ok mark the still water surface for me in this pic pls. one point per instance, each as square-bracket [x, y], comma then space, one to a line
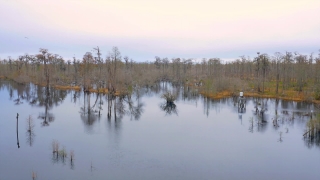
[197, 139]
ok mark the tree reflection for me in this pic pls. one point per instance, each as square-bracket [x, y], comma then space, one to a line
[169, 108]
[30, 137]
[75, 96]
[311, 142]
[312, 134]
[280, 137]
[30, 131]
[260, 106]
[34, 95]
[134, 110]
[18, 92]
[22, 92]
[98, 104]
[114, 127]
[119, 108]
[121, 105]
[47, 97]
[251, 125]
[87, 114]
[258, 124]
[262, 122]
[190, 94]
[109, 100]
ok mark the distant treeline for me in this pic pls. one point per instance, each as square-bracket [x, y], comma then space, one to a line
[287, 74]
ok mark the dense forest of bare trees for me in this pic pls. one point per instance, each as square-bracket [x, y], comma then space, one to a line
[288, 75]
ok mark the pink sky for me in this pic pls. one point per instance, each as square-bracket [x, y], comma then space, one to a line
[143, 29]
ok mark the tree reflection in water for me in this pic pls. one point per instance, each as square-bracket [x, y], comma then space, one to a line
[169, 108]
[22, 91]
[259, 122]
[30, 135]
[311, 142]
[134, 110]
[119, 106]
[87, 113]
[312, 132]
[47, 97]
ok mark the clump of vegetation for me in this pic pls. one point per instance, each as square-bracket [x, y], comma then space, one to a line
[313, 128]
[169, 97]
[55, 146]
[61, 155]
[34, 175]
[169, 106]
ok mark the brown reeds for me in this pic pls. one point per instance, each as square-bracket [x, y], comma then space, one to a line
[55, 146]
[34, 175]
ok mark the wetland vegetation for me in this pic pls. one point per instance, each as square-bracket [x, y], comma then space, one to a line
[111, 117]
[291, 76]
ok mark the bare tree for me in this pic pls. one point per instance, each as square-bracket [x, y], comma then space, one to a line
[115, 57]
[278, 57]
[88, 62]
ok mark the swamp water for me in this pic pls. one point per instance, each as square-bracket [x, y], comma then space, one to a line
[198, 138]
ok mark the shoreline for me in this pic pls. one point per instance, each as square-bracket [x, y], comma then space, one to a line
[298, 97]
[227, 94]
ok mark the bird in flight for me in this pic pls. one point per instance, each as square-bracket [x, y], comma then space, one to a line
[26, 37]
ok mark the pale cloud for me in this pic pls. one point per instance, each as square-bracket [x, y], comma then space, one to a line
[190, 27]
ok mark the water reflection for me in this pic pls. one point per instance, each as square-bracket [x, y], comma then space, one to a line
[312, 132]
[122, 143]
[190, 94]
[117, 107]
[22, 92]
[87, 113]
[60, 155]
[131, 105]
[17, 130]
[46, 97]
[313, 141]
[257, 125]
[280, 137]
[75, 96]
[125, 105]
[114, 129]
[42, 100]
[15, 91]
[135, 110]
[169, 108]
[30, 135]
[206, 104]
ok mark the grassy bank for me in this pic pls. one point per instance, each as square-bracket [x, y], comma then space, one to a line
[288, 95]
